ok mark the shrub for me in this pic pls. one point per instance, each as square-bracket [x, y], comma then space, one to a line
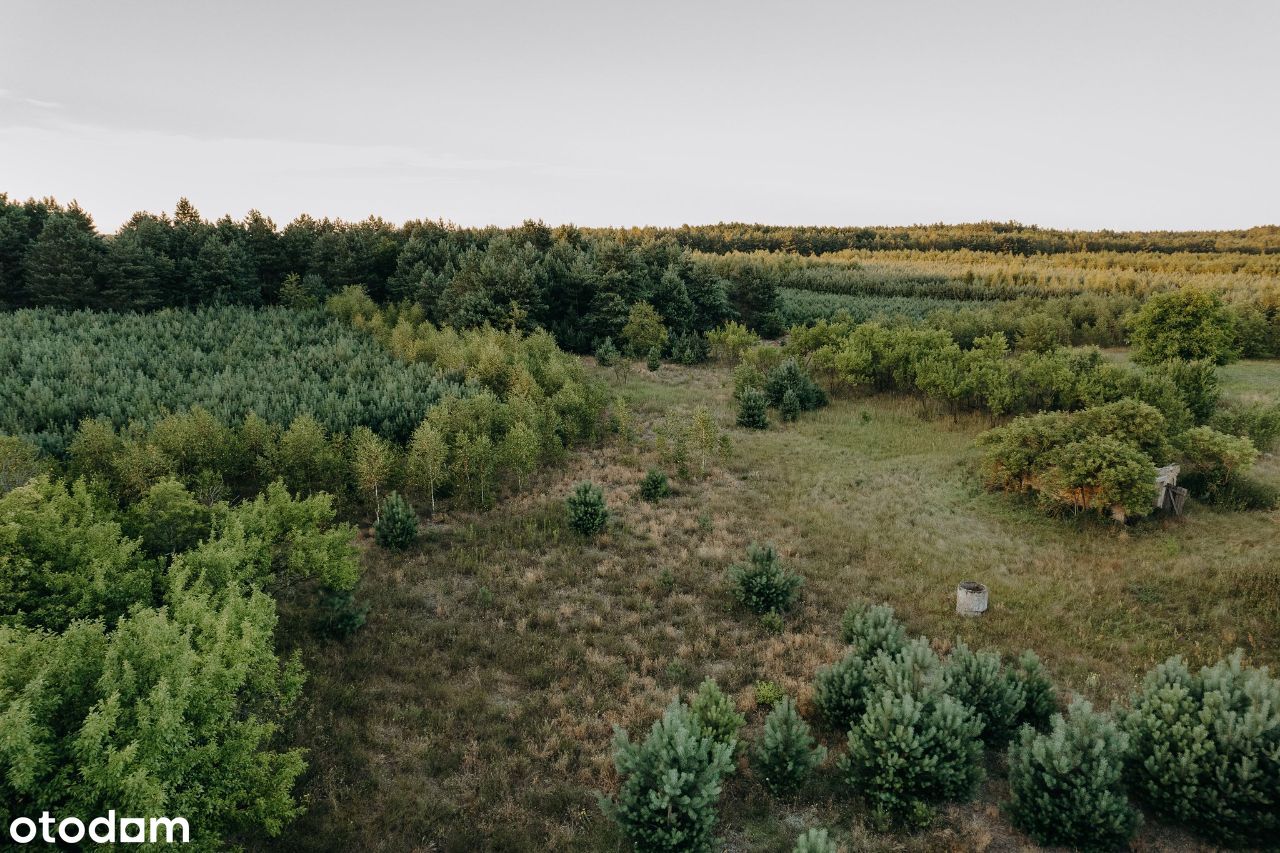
[910, 750]
[869, 628]
[396, 525]
[654, 486]
[607, 354]
[654, 361]
[340, 614]
[587, 511]
[790, 406]
[762, 584]
[1183, 324]
[730, 341]
[1205, 749]
[769, 693]
[1066, 788]
[19, 462]
[1040, 696]
[771, 622]
[670, 784]
[995, 696]
[815, 841]
[753, 409]
[789, 376]
[715, 715]
[785, 756]
[840, 691]
[644, 331]
[1196, 381]
[1213, 459]
[689, 348]
[1260, 423]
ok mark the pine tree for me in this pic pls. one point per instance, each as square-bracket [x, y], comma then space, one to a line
[1066, 787]
[753, 409]
[397, 524]
[785, 756]
[670, 784]
[61, 266]
[587, 511]
[714, 713]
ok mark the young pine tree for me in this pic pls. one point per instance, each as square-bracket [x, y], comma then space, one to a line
[785, 756]
[588, 513]
[1066, 788]
[714, 713]
[670, 784]
[753, 409]
[397, 524]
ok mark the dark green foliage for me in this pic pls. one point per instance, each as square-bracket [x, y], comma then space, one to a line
[785, 756]
[995, 695]
[1183, 324]
[1259, 422]
[871, 628]
[689, 348]
[397, 524]
[1196, 381]
[789, 376]
[654, 487]
[587, 511]
[607, 354]
[61, 266]
[789, 409]
[654, 361]
[840, 691]
[168, 519]
[670, 784]
[64, 368]
[1040, 696]
[1065, 786]
[1205, 749]
[714, 714]
[340, 614]
[762, 584]
[753, 411]
[913, 747]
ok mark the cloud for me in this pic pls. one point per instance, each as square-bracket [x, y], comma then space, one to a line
[7, 95]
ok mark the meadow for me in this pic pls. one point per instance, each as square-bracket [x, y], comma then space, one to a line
[476, 710]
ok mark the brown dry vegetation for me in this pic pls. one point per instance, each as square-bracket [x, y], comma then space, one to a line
[475, 709]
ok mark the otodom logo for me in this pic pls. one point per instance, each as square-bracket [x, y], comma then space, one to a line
[48, 829]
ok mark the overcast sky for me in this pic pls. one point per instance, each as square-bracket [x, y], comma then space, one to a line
[1157, 114]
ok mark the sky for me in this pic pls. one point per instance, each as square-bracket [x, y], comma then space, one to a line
[1125, 115]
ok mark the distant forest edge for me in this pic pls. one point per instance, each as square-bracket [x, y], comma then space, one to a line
[581, 283]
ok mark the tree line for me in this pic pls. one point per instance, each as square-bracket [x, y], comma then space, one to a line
[578, 284]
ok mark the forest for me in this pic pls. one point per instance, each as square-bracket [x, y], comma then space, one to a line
[352, 535]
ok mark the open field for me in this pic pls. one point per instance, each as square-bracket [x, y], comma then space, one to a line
[475, 709]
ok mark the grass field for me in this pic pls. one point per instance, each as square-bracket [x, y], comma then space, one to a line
[475, 709]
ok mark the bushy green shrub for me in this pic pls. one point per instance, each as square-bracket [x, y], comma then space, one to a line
[870, 628]
[840, 691]
[785, 756]
[1205, 749]
[340, 614]
[397, 524]
[1196, 381]
[19, 462]
[588, 514]
[790, 376]
[715, 714]
[815, 841]
[730, 341]
[1040, 696]
[670, 784]
[1212, 460]
[654, 487]
[1066, 786]
[995, 696]
[753, 409]
[654, 360]
[769, 693]
[689, 348]
[1182, 324]
[762, 583]
[911, 750]
[607, 355]
[1257, 421]
[789, 409]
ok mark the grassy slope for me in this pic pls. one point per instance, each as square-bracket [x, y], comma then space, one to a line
[475, 709]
